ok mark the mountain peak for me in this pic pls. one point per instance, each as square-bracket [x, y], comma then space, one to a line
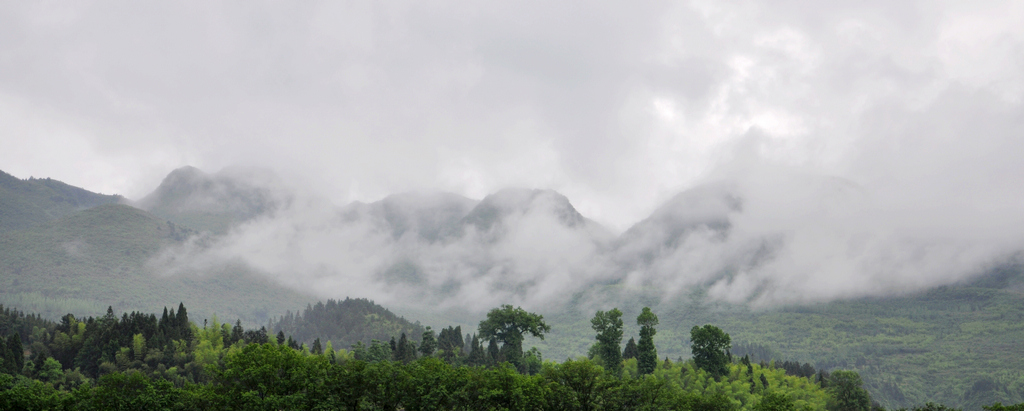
[193, 198]
[511, 201]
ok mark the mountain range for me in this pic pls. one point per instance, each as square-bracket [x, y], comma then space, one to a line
[239, 244]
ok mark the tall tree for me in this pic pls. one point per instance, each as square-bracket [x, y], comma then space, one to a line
[848, 393]
[710, 347]
[17, 353]
[647, 354]
[404, 351]
[609, 338]
[476, 353]
[630, 351]
[508, 325]
[429, 343]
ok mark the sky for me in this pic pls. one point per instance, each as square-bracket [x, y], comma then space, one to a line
[617, 105]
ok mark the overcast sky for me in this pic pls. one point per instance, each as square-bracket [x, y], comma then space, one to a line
[617, 105]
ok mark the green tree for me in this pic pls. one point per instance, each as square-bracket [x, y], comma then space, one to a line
[609, 337]
[404, 352]
[710, 347]
[508, 325]
[647, 354]
[17, 354]
[775, 401]
[848, 393]
[630, 351]
[429, 343]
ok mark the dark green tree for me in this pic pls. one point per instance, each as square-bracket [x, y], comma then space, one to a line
[494, 355]
[317, 348]
[710, 346]
[429, 343]
[609, 338]
[647, 354]
[477, 355]
[508, 325]
[630, 350]
[17, 354]
[404, 351]
[848, 393]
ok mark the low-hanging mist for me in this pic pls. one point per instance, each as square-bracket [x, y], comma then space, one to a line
[756, 233]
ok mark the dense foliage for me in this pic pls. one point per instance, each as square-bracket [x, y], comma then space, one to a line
[145, 361]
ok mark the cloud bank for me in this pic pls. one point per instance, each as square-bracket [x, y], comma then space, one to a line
[618, 106]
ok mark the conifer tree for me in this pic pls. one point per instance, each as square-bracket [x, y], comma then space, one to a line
[317, 349]
[405, 351]
[630, 351]
[5, 357]
[280, 337]
[429, 343]
[647, 353]
[476, 353]
[493, 352]
[17, 353]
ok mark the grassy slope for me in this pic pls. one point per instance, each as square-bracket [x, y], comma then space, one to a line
[97, 257]
[958, 345]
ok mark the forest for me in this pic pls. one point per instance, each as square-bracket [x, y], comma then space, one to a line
[167, 361]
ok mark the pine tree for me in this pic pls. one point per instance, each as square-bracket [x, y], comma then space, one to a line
[317, 349]
[476, 353]
[237, 333]
[630, 351]
[404, 351]
[5, 357]
[280, 337]
[429, 344]
[647, 353]
[494, 353]
[17, 353]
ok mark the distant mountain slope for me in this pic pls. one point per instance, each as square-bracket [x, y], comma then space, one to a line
[497, 208]
[98, 257]
[31, 202]
[344, 323]
[703, 208]
[212, 202]
[425, 215]
[957, 345]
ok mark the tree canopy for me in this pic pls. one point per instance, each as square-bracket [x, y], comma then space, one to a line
[710, 347]
[508, 325]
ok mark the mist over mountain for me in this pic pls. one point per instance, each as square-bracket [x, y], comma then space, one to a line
[214, 202]
[761, 235]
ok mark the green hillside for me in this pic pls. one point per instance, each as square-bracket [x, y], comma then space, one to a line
[98, 257]
[956, 345]
[31, 202]
[344, 322]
